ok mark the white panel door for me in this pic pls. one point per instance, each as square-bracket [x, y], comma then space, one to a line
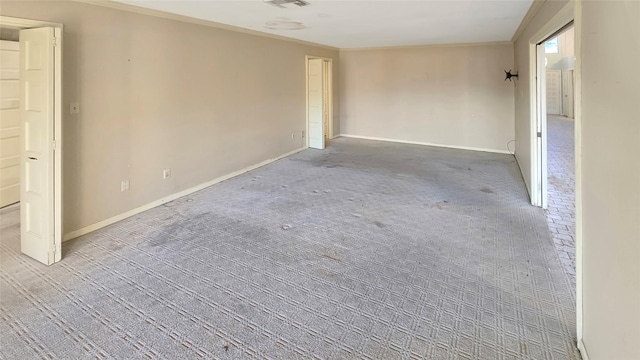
[325, 99]
[554, 91]
[315, 103]
[567, 93]
[37, 155]
[9, 122]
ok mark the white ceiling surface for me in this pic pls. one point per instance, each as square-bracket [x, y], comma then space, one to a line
[362, 23]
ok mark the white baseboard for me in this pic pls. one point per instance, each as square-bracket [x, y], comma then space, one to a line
[112, 220]
[425, 143]
[583, 350]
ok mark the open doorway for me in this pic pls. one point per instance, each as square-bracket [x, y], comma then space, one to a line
[560, 209]
[319, 101]
[31, 137]
[546, 137]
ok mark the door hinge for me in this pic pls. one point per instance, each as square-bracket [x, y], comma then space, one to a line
[54, 144]
[539, 134]
[55, 41]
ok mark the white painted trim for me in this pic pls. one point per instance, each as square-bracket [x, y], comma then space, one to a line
[577, 115]
[306, 101]
[58, 210]
[583, 350]
[533, 10]
[425, 144]
[331, 99]
[557, 22]
[306, 92]
[534, 172]
[19, 23]
[8, 45]
[408, 47]
[151, 205]
[541, 126]
[187, 19]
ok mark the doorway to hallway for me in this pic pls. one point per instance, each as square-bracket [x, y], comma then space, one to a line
[561, 193]
[554, 170]
[319, 101]
[559, 64]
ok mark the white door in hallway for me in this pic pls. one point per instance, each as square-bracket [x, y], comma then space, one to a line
[325, 98]
[9, 122]
[554, 91]
[315, 103]
[567, 93]
[37, 75]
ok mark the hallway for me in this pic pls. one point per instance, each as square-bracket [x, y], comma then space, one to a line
[561, 191]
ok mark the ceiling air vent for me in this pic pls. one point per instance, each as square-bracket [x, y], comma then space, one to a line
[280, 3]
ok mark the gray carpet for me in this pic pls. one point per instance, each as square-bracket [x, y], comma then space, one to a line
[561, 212]
[366, 250]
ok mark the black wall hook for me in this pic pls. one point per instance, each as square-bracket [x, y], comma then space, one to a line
[509, 75]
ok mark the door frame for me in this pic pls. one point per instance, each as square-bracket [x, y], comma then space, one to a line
[329, 76]
[570, 12]
[539, 122]
[56, 186]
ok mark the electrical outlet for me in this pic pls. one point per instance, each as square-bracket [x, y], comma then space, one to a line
[292, 136]
[74, 108]
[124, 186]
[303, 134]
[166, 173]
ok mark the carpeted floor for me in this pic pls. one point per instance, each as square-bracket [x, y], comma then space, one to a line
[561, 210]
[367, 250]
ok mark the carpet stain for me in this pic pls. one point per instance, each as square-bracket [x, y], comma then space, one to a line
[379, 224]
[487, 190]
[331, 258]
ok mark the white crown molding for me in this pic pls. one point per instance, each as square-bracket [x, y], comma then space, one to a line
[533, 10]
[409, 47]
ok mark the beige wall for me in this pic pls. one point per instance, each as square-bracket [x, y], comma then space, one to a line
[610, 175]
[611, 178]
[522, 93]
[448, 95]
[157, 93]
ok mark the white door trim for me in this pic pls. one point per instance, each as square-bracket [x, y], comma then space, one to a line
[19, 24]
[330, 81]
[539, 129]
[571, 11]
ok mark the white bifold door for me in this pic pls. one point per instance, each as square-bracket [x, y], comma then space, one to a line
[40, 228]
[315, 103]
[9, 122]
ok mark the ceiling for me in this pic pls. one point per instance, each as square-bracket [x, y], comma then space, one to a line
[362, 23]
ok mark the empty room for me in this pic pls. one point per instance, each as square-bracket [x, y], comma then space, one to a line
[318, 179]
